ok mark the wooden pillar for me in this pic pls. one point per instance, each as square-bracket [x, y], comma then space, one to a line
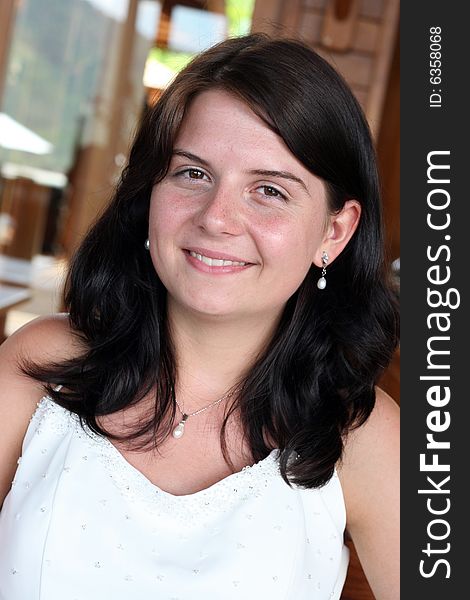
[266, 16]
[93, 175]
[7, 22]
[388, 151]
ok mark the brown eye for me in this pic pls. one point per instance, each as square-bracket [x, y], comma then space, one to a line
[268, 190]
[195, 174]
[191, 174]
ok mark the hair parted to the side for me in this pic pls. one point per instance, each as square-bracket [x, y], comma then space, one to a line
[315, 380]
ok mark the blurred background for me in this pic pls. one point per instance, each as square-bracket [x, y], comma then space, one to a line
[75, 78]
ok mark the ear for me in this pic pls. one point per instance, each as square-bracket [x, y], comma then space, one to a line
[339, 230]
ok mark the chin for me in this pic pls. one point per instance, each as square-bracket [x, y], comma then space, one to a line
[204, 307]
[212, 311]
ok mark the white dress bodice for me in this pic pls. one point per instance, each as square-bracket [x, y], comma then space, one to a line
[81, 523]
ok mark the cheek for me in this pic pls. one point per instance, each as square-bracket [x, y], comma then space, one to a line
[169, 209]
[289, 241]
[163, 217]
[155, 209]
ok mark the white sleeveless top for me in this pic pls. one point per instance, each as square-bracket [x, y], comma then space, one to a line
[81, 523]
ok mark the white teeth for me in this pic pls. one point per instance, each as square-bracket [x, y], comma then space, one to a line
[216, 262]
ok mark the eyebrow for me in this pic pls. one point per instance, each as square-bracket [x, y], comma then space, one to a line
[264, 172]
[191, 157]
[282, 174]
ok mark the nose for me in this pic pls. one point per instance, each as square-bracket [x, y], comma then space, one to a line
[220, 211]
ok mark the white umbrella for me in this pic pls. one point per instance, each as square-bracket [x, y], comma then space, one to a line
[15, 136]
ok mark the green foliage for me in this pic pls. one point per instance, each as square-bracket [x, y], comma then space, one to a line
[239, 15]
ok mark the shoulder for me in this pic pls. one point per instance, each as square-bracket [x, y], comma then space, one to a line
[370, 452]
[369, 475]
[43, 340]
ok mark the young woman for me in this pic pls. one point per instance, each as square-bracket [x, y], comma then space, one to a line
[211, 425]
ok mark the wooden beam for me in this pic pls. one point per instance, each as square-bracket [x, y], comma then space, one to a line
[7, 21]
[382, 65]
[266, 16]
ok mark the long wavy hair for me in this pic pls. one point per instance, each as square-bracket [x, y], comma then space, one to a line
[315, 379]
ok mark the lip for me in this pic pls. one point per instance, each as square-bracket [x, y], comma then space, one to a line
[215, 270]
[216, 254]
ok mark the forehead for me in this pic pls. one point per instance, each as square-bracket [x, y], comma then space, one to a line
[221, 126]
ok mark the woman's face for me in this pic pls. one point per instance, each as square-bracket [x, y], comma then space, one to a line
[237, 222]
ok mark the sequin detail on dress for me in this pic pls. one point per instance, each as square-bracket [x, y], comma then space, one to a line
[219, 497]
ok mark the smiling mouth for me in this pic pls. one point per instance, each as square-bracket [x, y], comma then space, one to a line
[216, 262]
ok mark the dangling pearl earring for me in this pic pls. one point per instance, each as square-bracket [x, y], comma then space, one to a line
[147, 244]
[321, 283]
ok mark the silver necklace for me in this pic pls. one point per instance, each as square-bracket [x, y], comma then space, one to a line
[178, 431]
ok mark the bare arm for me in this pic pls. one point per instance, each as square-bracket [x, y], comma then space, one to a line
[370, 478]
[44, 339]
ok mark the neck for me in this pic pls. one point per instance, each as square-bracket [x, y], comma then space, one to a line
[213, 354]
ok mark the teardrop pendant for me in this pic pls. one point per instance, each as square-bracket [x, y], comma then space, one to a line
[178, 430]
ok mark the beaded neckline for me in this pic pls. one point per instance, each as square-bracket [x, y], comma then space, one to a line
[220, 496]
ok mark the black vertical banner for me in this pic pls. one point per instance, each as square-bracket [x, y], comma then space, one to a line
[435, 254]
